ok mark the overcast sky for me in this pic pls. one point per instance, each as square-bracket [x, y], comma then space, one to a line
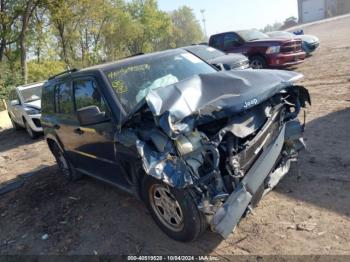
[225, 15]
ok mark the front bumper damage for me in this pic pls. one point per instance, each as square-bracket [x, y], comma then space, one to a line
[228, 215]
[248, 154]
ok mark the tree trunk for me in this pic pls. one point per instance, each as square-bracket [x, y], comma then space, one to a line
[60, 28]
[21, 40]
[27, 12]
[2, 49]
[22, 47]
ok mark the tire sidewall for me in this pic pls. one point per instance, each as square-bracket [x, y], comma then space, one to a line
[73, 174]
[193, 220]
[260, 59]
[30, 131]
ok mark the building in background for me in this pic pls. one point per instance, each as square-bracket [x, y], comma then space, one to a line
[313, 10]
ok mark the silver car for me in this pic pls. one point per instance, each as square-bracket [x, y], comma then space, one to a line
[24, 108]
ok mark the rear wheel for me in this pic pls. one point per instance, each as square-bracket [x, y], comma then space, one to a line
[63, 164]
[174, 211]
[257, 62]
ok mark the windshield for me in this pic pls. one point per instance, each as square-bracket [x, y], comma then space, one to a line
[250, 35]
[133, 81]
[205, 52]
[31, 94]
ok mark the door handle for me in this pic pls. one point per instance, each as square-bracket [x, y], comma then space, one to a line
[56, 126]
[78, 131]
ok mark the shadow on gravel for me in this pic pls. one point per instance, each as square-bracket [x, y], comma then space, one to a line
[10, 138]
[322, 176]
[83, 216]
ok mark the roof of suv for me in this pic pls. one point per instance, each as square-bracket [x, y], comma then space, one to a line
[111, 65]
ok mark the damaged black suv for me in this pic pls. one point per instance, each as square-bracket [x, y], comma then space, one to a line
[200, 147]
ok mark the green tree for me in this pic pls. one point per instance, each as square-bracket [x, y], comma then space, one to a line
[152, 26]
[186, 28]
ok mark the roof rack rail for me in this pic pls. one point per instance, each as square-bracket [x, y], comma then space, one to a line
[137, 54]
[64, 72]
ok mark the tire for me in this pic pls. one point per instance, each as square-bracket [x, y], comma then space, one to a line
[14, 124]
[188, 224]
[64, 165]
[257, 62]
[31, 133]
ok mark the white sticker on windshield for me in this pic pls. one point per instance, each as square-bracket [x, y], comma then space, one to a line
[210, 49]
[191, 58]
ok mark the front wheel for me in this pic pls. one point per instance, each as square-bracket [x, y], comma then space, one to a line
[174, 210]
[257, 62]
[30, 131]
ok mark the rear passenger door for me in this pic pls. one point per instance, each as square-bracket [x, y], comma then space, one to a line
[65, 120]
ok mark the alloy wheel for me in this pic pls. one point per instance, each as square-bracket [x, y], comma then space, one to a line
[29, 130]
[166, 207]
[256, 64]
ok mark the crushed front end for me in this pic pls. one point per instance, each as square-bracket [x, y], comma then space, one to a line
[227, 137]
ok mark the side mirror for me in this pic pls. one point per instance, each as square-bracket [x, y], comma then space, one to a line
[14, 102]
[91, 115]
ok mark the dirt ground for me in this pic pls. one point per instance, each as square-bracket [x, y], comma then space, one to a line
[308, 212]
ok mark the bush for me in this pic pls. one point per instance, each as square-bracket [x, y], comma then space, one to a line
[43, 70]
[10, 77]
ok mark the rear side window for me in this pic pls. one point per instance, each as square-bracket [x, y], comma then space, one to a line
[63, 98]
[217, 41]
[86, 94]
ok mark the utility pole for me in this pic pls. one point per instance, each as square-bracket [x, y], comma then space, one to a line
[204, 27]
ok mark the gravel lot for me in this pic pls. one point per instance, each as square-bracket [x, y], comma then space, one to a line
[308, 213]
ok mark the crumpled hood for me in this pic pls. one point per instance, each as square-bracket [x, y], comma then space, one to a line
[234, 91]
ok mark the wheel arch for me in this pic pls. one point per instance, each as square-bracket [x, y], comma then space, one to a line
[51, 140]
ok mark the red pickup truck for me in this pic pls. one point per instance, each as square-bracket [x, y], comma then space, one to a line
[262, 51]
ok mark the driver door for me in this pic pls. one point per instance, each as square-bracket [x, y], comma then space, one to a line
[93, 145]
[232, 43]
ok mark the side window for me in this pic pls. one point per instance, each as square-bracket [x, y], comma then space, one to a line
[230, 40]
[86, 94]
[216, 41]
[63, 98]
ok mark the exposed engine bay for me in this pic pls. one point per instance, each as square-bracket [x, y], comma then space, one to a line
[229, 137]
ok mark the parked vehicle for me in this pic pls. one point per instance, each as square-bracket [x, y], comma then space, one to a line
[262, 51]
[24, 108]
[218, 58]
[309, 42]
[200, 146]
